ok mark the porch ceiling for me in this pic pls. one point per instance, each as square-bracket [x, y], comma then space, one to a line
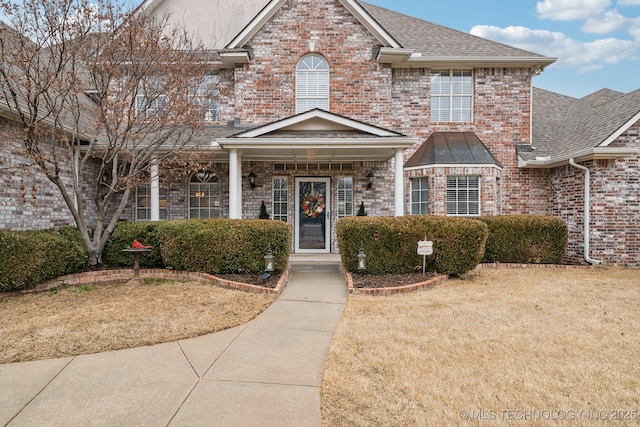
[316, 150]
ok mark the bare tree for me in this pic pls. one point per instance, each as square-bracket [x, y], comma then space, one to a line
[102, 92]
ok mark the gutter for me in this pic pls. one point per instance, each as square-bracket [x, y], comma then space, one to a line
[587, 209]
[582, 155]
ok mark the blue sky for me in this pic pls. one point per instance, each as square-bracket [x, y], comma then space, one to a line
[597, 42]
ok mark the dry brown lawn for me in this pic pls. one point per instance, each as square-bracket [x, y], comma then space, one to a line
[498, 347]
[90, 319]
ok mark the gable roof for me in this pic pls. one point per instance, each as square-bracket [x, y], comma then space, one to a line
[319, 136]
[565, 127]
[318, 120]
[353, 6]
[452, 148]
[404, 40]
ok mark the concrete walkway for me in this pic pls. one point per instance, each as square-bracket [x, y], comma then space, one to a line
[267, 372]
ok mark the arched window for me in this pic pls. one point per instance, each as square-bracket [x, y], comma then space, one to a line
[312, 84]
[204, 195]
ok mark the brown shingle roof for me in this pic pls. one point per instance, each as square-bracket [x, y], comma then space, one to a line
[432, 40]
[563, 125]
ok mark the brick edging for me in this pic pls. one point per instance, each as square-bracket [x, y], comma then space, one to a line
[92, 277]
[440, 279]
[391, 289]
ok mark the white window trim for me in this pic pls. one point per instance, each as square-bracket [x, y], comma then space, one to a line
[411, 191]
[317, 98]
[479, 201]
[205, 94]
[450, 95]
[163, 198]
[280, 217]
[153, 106]
[343, 203]
[217, 197]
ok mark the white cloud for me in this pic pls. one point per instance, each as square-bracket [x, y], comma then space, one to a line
[628, 2]
[634, 29]
[571, 53]
[571, 10]
[608, 22]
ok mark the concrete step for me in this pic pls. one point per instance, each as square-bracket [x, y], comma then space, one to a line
[315, 262]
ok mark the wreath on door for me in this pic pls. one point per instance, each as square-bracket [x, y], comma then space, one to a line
[313, 205]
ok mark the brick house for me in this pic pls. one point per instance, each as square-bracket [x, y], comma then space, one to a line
[355, 104]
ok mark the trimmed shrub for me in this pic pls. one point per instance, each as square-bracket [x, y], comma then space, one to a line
[526, 239]
[123, 236]
[31, 257]
[219, 246]
[391, 243]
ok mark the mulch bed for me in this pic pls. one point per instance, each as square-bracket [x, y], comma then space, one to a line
[389, 280]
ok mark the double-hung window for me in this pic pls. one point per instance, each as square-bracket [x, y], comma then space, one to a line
[205, 97]
[420, 196]
[451, 96]
[312, 84]
[143, 203]
[345, 197]
[463, 195]
[150, 108]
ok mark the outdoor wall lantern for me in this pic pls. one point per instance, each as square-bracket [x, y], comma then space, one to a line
[252, 179]
[362, 259]
[268, 260]
[369, 180]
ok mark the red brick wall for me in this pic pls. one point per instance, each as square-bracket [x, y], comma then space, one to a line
[615, 206]
[397, 99]
[359, 87]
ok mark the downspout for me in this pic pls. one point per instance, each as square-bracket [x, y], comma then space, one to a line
[587, 211]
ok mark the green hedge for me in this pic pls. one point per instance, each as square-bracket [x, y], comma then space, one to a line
[391, 243]
[31, 257]
[223, 245]
[528, 239]
[123, 236]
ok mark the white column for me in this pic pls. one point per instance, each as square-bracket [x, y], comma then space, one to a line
[233, 184]
[399, 184]
[239, 185]
[155, 191]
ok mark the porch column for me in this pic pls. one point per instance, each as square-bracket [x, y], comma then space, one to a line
[239, 181]
[399, 184]
[155, 191]
[233, 184]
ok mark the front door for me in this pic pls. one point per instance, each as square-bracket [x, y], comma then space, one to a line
[312, 232]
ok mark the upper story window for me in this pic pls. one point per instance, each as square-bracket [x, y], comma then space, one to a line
[147, 108]
[312, 84]
[205, 97]
[451, 96]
